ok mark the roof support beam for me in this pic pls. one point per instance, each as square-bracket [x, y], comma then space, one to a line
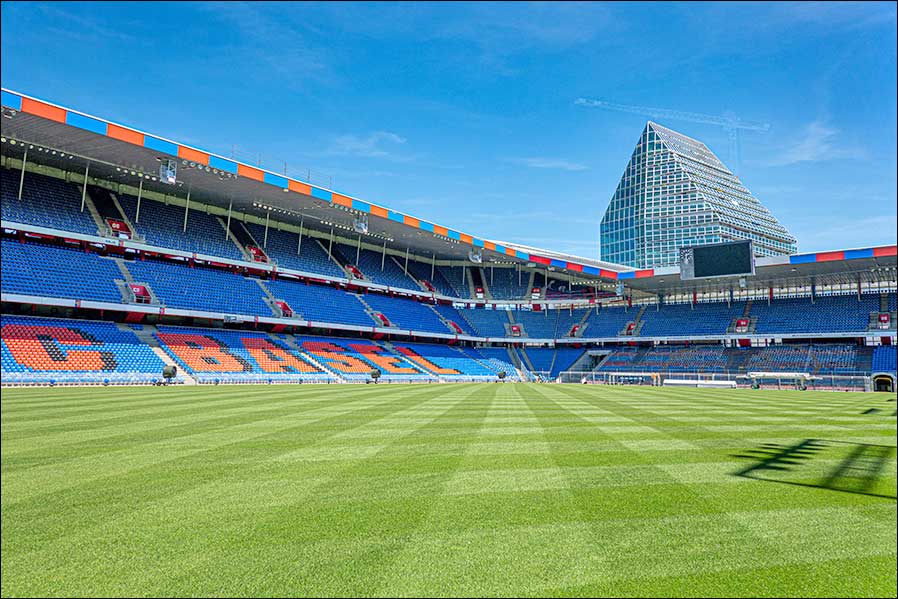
[84, 187]
[22, 175]
[186, 210]
[139, 195]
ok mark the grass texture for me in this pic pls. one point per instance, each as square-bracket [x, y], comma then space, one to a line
[447, 490]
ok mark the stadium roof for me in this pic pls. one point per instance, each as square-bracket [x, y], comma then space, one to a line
[65, 138]
[121, 153]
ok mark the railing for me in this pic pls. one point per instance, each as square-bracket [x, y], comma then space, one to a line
[821, 382]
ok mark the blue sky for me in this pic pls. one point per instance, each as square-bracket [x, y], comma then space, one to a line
[464, 114]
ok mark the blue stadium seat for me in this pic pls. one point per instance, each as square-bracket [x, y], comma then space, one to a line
[46, 202]
[62, 351]
[52, 271]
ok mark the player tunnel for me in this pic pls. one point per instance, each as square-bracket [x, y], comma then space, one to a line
[884, 383]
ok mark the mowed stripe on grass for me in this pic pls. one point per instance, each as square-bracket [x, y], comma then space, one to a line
[462, 489]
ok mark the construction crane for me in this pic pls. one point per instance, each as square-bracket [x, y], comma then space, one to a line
[730, 123]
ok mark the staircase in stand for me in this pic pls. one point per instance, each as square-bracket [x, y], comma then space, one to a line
[147, 335]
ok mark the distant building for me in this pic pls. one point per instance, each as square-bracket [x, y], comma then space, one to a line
[675, 192]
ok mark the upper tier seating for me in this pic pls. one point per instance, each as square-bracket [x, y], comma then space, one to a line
[53, 271]
[838, 313]
[282, 246]
[321, 303]
[236, 356]
[679, 320]
[369, 262]
[46, 202]
[507, 283]
[223, 292]
[489, 323]
[163, 225]
[447, 280]
[407, 313]
[444, 361]
[884, 358]
[41, 350]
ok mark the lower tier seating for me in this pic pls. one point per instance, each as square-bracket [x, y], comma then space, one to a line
[42, 350]
[237, 356]
[884, 359]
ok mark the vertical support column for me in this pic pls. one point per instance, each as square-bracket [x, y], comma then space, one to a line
[22, 175]
[139, 195]
[358, 252]
[265, 236]
[383, 256]
[186, 210]
[406, 259]
[330, 245]
[769, 294]
[228, 224]
[84, 187]
[433, 267]
[299, 243]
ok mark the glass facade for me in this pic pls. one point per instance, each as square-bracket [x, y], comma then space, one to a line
[675, 192]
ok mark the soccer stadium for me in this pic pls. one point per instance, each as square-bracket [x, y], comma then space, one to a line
[220, 378]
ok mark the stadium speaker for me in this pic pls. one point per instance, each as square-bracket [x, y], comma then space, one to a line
[475, 255]
[169, 372]
[742, 283]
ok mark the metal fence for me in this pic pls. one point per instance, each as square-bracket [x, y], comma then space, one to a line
[821, 382]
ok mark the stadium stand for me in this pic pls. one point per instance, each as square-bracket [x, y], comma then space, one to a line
[212, 290]
[453, 314]
[488, 323]
[680, 320]
[884, 358]
[45, 350]
[447, 280]
[827, 314]
[537, 325]
[355, 359]
[407, 313]
[608, 322]
[445, 362]
[321, 303]
[162, 225]
[53, 271]
[221, 356]
[369, 262]
[565, 358]
[282, 248]
[46, 202]
[507, 283]
[496, 358]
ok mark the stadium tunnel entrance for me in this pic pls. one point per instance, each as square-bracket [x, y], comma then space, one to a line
[884, 383]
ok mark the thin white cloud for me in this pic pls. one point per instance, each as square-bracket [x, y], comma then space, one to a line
[373, 145]
[551, 163]
[819, 142]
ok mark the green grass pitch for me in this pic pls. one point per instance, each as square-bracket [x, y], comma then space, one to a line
[460, 489]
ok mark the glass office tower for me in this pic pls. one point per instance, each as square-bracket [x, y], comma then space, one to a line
[675, 192]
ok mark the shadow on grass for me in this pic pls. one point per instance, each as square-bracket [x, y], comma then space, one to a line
[858, 466]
